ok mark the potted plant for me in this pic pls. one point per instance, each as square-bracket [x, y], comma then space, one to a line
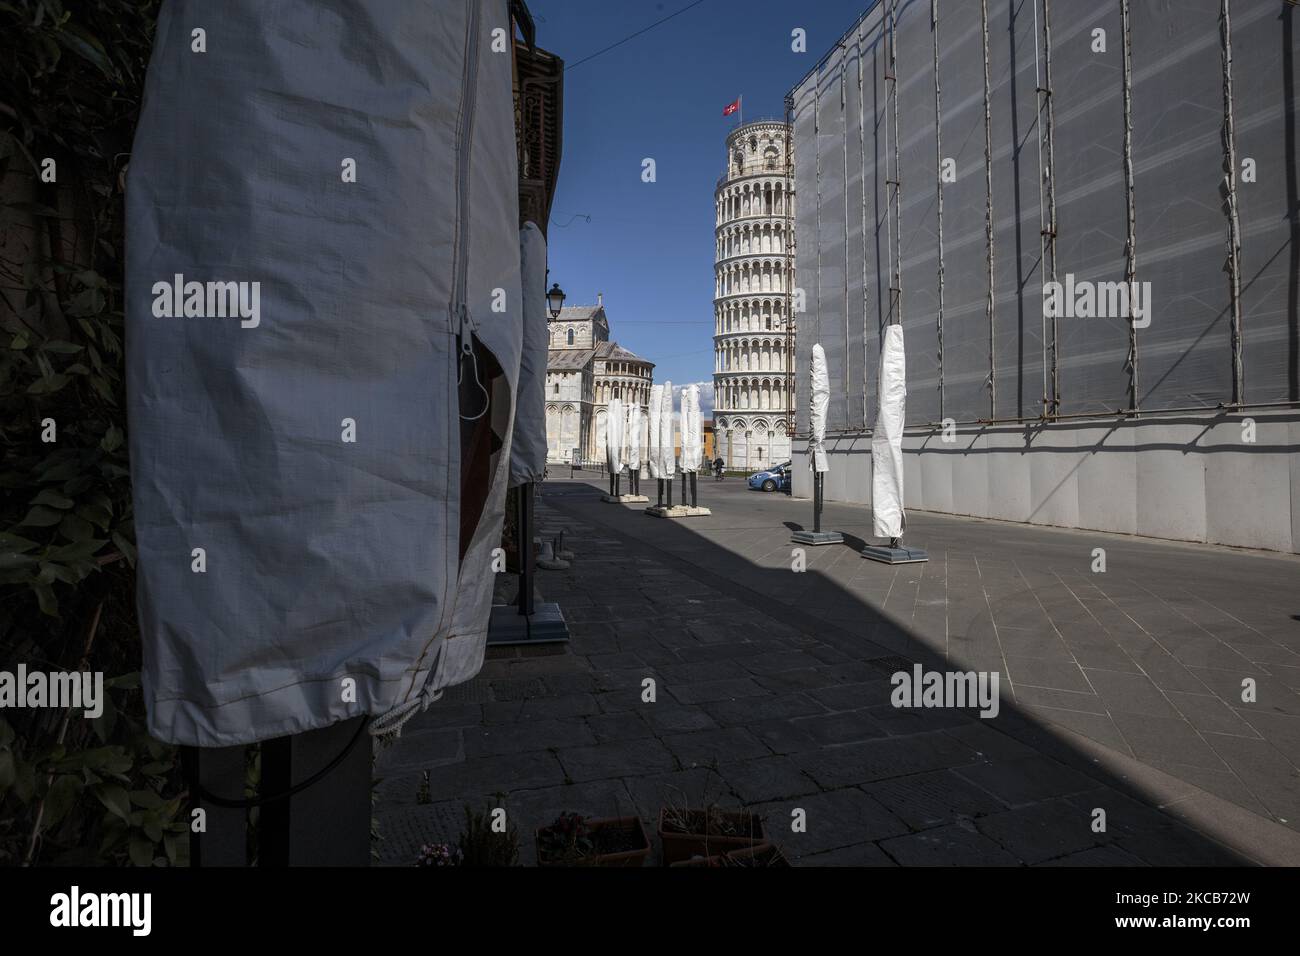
[483, 845]
[574, 840]
[687, 832]
[438, 854]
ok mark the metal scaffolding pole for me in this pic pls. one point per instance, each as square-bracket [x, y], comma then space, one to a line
[1047, 205]
[988, 207]
[938, 166]
[845, 152]
[1130, 242]
[817, 189]
[1234, 223]
[896, 234]
[862, 153]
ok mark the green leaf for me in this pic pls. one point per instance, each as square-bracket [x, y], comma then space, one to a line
[10, 560]
[112, 439]
[41, 517]
[59, 347]
[12, 542]
[79, 551]
[87, 47]
[49, 604]
[141, 850]
[76, 529]
[146, 799]
[47, 497]
[115, 799]
[96, 515]
[49, 384]
[62, 797]
[129, 681]
[79, 485]
[125, 546]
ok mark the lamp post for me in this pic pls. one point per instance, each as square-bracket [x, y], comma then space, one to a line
[555, 300]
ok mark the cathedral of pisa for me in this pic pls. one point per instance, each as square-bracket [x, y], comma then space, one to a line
[753, 320]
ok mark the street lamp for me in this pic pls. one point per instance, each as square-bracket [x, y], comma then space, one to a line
[555, 300]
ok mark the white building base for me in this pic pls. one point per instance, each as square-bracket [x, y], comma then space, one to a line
[1187, 478]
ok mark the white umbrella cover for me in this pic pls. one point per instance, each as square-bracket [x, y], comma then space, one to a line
[614, 424]
[692, 449]
[887, 516]
[652, 433]
[633, 441]
[820, 396]
[667, 465]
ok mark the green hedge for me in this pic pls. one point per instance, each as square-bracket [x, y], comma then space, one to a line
[71, 789]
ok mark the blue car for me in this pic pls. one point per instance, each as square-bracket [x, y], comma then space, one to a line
[774, 479]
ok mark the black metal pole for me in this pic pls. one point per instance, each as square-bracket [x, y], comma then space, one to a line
[817, 501]
[659, 484]
[526, 556]
[694, 492]
[669, 483]
[273, 817]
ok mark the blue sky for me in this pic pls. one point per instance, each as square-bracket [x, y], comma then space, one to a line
[649, 246]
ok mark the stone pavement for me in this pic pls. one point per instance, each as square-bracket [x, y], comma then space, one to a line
[1120, 691]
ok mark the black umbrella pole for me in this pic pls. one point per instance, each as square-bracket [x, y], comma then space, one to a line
[694, 492]
[817, 501]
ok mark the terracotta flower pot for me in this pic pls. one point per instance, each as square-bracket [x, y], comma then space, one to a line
[635, 856]
[757, 856]
[706, 861]
[680, 846]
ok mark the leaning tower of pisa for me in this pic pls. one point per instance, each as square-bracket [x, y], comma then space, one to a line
[753, 371]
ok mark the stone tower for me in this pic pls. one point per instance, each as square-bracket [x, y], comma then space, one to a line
[753, 371]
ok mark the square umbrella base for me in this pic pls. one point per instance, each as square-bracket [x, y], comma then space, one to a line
[887, 555]
[817, 537]
[677, 511]
[544, 626]
[624, 499]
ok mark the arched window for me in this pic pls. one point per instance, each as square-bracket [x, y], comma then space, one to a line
[569, 337]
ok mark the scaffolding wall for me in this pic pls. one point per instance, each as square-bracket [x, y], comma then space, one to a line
[1068, 160]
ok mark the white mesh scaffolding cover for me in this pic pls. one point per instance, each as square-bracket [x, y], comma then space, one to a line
[324, 558]
[652, 430]
[615, 424]
[844, 148]
[887, 518]
[819, 390]
[692, 447]
[667, 447]
[528, 449]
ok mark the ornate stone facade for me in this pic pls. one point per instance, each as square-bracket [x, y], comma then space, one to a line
[753, 316]
[584, 371]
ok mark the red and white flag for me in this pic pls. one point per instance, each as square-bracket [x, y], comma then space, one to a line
[733, 107]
